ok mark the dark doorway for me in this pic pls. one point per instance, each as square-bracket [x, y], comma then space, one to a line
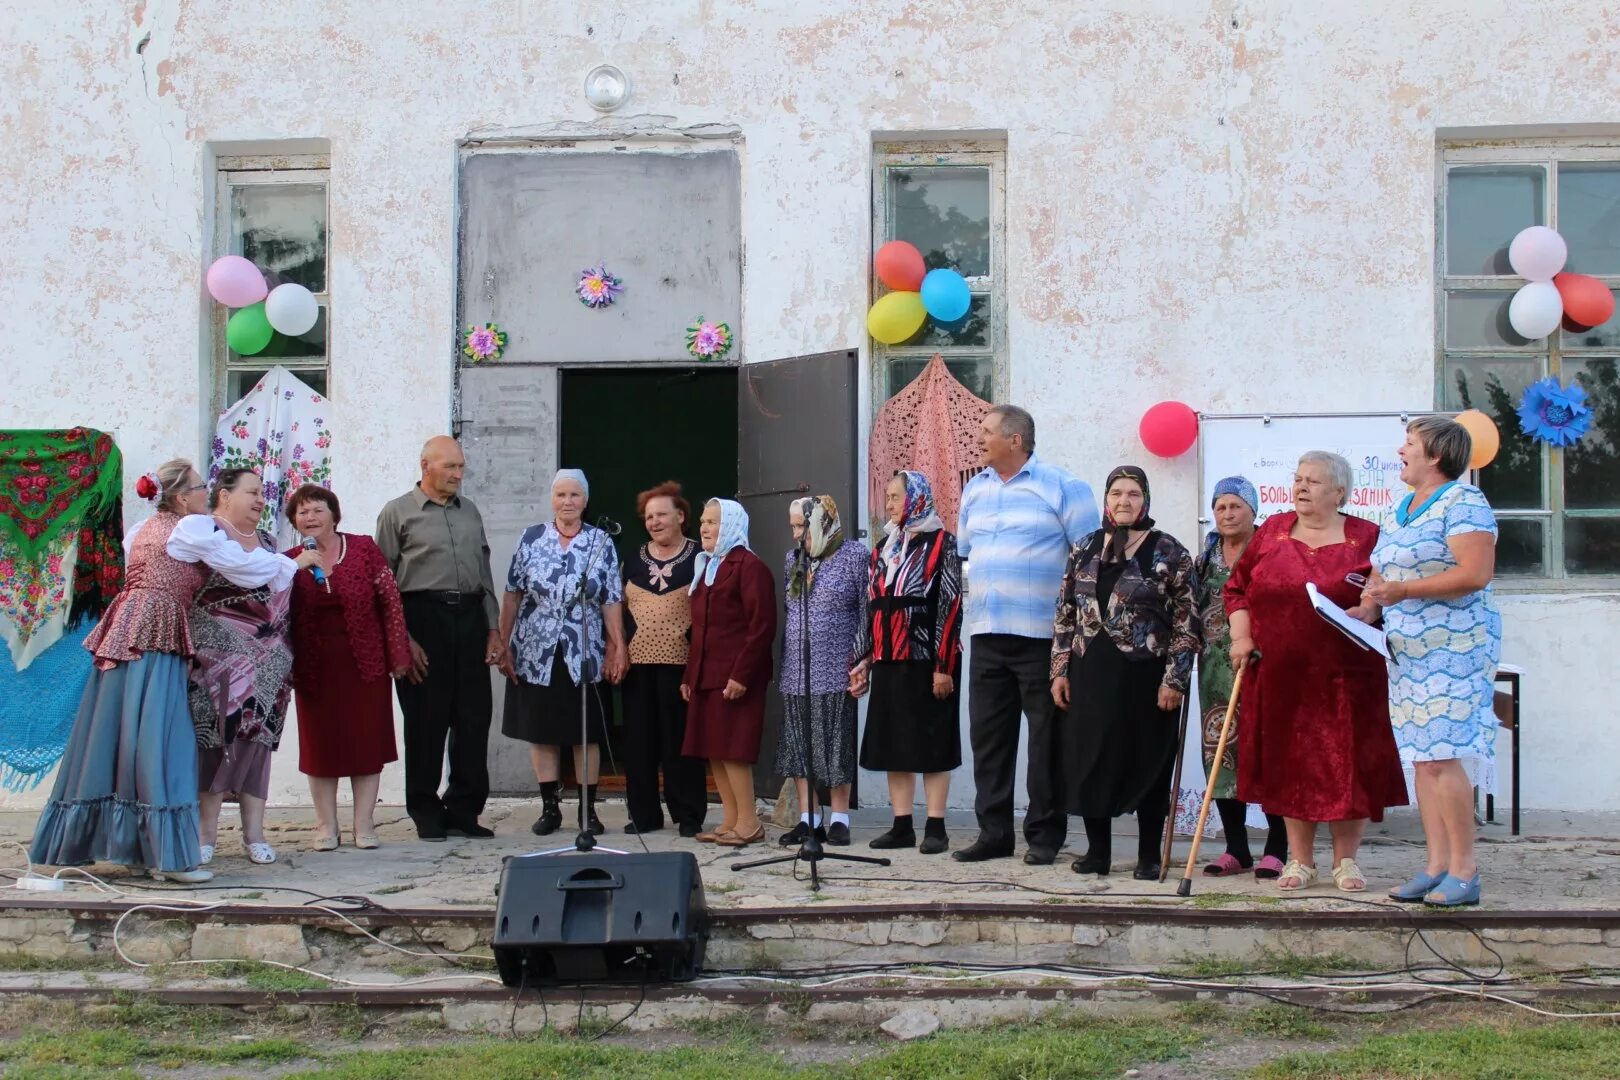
[630, 429]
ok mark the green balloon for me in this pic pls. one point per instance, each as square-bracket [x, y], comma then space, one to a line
[249, 330]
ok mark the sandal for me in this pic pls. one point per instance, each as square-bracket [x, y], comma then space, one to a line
[1421, 885]
[260, 852]
[1455, 892]
[1225, 865]
[739, 840]
[713, 836]
[1296, 871]
[1348, 876]
[207, 855]
[1269, 868]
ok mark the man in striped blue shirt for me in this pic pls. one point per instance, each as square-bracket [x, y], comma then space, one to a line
[1019, 519]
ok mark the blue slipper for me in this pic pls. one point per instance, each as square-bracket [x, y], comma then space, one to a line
[1455, 892]
[1415, 890]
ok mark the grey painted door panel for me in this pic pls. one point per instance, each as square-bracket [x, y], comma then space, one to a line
[668, 224]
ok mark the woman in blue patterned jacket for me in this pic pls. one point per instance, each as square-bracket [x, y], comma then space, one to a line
[1125, 637]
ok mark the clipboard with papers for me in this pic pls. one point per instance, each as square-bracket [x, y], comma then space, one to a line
[1366, 637]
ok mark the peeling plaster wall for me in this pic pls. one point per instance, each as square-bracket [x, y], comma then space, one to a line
[1230, 203]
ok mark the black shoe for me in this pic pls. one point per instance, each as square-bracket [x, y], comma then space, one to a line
[894, 838]
[934, 845]
[636, 830]
[1147, 871]
[689, 831]
[982, 849]
[838, 834]
[796, 835]
[593, 824]
[1090, 864]
[469, 829]
[549, 821]
[1040, 856]
[429, 830]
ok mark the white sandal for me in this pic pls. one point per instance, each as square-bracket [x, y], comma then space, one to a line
[1297, 871]
[261, 853]
[207, 855]
[1347, 870]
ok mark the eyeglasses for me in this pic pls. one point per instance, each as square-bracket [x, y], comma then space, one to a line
[194, 487]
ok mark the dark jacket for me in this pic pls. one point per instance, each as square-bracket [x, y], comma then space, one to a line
[733, 625]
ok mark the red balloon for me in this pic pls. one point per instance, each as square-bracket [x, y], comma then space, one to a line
[1169, 429]
[900, 266]
[1587, 301]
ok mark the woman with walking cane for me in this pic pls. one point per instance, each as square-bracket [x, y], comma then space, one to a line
[1124, 640]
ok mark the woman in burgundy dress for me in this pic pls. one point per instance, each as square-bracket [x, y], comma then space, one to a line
[348, 637]
[729, 666]
[1315, 744]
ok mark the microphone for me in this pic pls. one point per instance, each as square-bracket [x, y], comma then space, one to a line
[320, 575]
[609, 526]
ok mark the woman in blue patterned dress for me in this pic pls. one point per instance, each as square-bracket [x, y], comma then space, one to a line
[554, 647]
[836, 584]
[1432, 572]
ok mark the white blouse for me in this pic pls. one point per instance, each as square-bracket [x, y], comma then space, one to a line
[197, 539]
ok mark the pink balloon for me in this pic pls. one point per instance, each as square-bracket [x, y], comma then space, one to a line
[1169, 429]
[1537, 253]
[235, 282]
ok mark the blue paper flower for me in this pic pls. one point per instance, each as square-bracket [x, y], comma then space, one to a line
[1555, 414]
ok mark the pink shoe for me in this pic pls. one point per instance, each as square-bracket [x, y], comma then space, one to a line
[1224, 866]
[1269, 868]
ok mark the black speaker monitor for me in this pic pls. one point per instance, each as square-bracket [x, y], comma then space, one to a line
[600, 918]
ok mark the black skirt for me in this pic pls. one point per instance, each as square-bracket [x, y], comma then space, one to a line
[908, 729]
[549, 715]
[1118, 745]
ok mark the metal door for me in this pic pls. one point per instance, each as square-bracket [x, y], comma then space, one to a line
[796, 435]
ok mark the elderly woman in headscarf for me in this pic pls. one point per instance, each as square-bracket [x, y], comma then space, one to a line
[1234, 506]
[556, 646]
[825, 577]
[1124, 640]
[729, 666]
[908, 655]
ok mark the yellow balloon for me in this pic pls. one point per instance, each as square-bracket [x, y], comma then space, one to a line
[1486, 438]
[896, 317]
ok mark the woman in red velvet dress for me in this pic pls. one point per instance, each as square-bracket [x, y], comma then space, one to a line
[729, 666]
[348, 638]
[1315, 744]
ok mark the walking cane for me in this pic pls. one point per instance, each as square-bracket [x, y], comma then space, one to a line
[1185, 888]
[1175, 793]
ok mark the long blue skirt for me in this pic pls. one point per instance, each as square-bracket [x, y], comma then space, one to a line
[126, 790]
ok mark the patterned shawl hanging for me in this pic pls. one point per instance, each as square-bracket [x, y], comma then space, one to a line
[930, 427]
[279, 430]
[61, 527]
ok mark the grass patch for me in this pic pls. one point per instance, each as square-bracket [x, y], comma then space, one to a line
[1211, 967]
[21, 962]
[1567, 1051]
[1281, 1022]
[118, 1049]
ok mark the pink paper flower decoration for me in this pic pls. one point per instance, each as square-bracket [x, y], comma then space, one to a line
[483, 343]
[708, 340]
[598, 288]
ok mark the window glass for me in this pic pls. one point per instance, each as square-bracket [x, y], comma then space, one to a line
[1589, 215]
[1486, 207]
[943, 211]
[1494, 386]
[282, 227]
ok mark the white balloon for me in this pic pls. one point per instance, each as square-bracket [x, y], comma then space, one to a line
[1536, 310]
[292, 309]
[1537, 253]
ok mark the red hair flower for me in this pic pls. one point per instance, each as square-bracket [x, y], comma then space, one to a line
[146, 488]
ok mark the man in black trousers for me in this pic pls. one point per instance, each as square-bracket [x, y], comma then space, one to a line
[434, 541]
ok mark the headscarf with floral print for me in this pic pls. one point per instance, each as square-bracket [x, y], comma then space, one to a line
[1116, 538]
[917, 516]
[823, 535]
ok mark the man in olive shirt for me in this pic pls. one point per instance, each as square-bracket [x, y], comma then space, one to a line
[434, 540]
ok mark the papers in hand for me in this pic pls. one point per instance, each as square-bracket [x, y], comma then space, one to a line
[1367, 637]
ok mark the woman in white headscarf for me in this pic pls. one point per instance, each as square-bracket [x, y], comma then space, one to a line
[729, 666]
[555, 646]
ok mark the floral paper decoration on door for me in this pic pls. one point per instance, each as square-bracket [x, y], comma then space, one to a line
[708, 340]
[482, 343]
[598, 288]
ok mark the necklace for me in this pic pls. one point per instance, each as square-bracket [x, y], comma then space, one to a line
[234, 529]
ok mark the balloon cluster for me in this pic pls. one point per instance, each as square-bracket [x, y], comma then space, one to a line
[1552, 297]
[918, 293]
[261, 310]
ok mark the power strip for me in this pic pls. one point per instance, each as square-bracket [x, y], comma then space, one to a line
[41, 884]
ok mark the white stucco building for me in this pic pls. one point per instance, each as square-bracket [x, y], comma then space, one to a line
[1247, 206]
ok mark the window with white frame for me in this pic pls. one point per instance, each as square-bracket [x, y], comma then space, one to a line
[948, 202]
[1558, 509]
[273, 212]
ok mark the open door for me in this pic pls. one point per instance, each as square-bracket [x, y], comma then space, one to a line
[796, 436]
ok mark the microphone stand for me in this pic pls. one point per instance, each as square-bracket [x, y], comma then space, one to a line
[811, 851]
[585, 842]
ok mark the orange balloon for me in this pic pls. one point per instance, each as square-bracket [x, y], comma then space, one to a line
[1587, 301]
[899, 265]
[1486, 438]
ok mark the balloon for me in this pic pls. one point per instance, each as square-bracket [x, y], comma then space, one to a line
[899, 265]
[1587, 301]
[1487, 439]
[248, 331]
[292, 309]
[1169, 429]
[945, 295]
[1537, 253]
[1535, 310]
[235, 282]
[896, 317]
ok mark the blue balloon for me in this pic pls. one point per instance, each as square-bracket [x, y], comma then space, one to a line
[945, 294]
